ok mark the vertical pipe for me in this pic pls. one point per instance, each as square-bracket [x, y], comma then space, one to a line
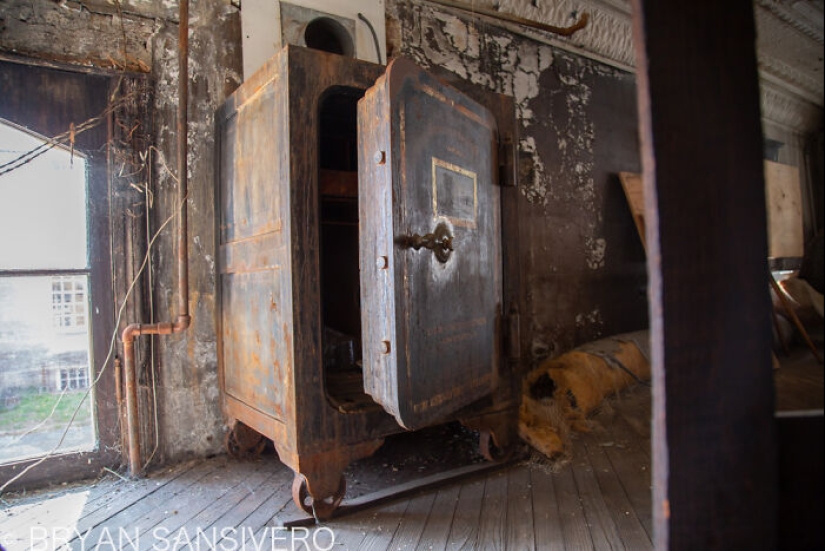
[183, 153]
[131, 332]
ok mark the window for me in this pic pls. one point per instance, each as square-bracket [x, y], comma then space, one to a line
[69, 305]
[56, 271]
[74, 378]
[44, 274]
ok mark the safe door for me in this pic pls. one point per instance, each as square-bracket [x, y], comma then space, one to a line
[429, 246]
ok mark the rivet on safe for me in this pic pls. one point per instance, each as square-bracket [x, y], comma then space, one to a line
[385, 347]
[382, 263]
[379, 157]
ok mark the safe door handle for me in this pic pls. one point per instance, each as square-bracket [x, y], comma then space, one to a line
[440, 241]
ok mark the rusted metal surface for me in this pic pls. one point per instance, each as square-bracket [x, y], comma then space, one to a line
[319, 508]
[271, 333]
[183, 154]
[439, 313]
[288, 265]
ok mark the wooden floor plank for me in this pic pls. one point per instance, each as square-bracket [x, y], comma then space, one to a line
[519, 534]
[573, 521]
[547, 531]
[265, 537]
[493, 518]
[373, 528]
[141, 515]
[415, 519]
[36, 524]
[81, 526]
[437, 528]
[96, 495]
[279, 479]
[600, 500]
[198, 515]
[382, 526]
[169, 518]
[350, 533]
[464, 533]
[602, 527]
[631, 531]
[272, 538]
[133, 489]
[267, 511]
[631, 463]
[630, 417]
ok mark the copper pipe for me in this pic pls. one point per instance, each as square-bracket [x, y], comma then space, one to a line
[130, 333]
[183, 153]
[182, 322]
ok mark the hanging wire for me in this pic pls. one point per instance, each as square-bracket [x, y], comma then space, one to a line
[374, 36]
[110, 352]
[62, 139]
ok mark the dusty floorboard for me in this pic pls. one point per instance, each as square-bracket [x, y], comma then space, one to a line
[599, 499]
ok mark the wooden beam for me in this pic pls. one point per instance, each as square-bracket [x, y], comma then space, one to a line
[714, 448]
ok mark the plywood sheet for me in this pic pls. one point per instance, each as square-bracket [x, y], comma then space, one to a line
[783, 198]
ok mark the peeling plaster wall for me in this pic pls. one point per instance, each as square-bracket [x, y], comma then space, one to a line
[583, 261]
[83, 34]
[191, 422]
[142, 35]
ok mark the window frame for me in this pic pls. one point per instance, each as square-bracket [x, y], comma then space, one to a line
[47, 99]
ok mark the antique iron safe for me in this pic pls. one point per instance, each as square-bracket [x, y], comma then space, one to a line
[364, 286]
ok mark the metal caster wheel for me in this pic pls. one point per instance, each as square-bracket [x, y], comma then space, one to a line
[321, 509]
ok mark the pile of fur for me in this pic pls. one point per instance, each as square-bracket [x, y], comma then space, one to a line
[559, 395]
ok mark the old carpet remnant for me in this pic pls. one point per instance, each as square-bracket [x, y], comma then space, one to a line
[559, 396]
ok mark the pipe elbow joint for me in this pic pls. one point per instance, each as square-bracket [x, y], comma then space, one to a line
[182, 323]
[130, 332]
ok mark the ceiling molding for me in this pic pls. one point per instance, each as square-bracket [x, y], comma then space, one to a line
[789, 55]
[806, 17]
[788, 110]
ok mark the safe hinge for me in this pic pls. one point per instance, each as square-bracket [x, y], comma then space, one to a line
[506, 161]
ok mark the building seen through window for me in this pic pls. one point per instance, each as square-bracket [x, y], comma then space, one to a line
[44, 299]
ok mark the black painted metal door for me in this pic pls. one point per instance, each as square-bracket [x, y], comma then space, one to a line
[430, 251]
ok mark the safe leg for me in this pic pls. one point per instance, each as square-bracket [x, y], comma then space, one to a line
[497, 440]
[319, 484]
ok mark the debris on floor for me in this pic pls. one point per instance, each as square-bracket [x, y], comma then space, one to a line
[560, 394]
